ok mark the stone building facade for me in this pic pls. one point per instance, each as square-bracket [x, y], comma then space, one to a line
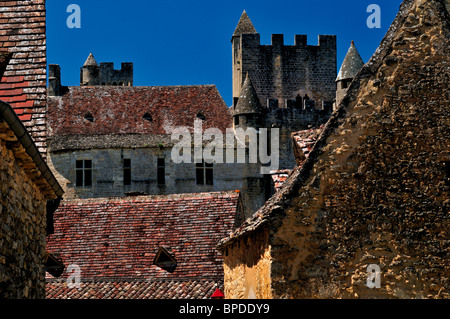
[281, 73]
[366, 215]
[28, 191]
[116, 141]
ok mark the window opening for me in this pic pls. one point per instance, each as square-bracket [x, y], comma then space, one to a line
[127, 171]
[88, 116]
[164, 259]
[204, 173]
[147, 116]
[201, 116]
[161, 171]
[83, 173]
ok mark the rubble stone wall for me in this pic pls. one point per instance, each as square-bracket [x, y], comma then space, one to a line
[22, 230]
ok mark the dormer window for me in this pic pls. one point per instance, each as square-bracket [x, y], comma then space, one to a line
[165, 259]
[148, 117]
[53, 264]
[88, 116]
[201, 116]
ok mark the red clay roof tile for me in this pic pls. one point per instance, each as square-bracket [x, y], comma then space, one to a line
[120, 110]
[119, 237]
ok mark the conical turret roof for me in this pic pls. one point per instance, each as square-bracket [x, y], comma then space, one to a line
[90, 61]
[248, 101]
[351, 65]
[244, 25]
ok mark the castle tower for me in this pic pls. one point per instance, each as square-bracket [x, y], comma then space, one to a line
[281, 72]
[350, 67]
[90, 72]
[248, 111]
[105, 74]
[244, 26]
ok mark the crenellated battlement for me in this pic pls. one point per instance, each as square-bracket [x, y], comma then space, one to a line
[280, 71]
[277, 40]
[104, 74]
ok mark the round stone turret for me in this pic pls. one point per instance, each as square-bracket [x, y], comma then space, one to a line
[90, 72]
[350, 67]
[248, 111]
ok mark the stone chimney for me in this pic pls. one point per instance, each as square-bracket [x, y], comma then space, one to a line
[54, 80]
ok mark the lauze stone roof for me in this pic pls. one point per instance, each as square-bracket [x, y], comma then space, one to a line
[115, 242]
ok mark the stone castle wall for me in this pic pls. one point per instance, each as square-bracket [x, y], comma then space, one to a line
[282, 72]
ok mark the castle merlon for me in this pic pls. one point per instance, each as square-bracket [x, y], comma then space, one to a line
[300, 40]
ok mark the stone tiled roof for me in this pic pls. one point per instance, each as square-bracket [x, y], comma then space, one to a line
[303, 142]
[113, 238]
[23, 85]
[244, 25]
[121, 110]
[248, 102]
[351, 65]
[90, 61]
[129, 289]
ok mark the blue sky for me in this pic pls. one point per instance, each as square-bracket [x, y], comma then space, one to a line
[188, 42]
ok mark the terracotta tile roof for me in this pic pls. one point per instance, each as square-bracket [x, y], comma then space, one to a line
[121, 110]
[120, 237]
[304, 142]
[279, 177]
[23, 86]
[129, 289]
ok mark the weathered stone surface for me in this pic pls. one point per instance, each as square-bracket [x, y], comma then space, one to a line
[250, 258]
[22, 230]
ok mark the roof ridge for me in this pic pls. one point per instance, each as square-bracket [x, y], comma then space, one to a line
[150, 197]
[218, 278]
[103, 87]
